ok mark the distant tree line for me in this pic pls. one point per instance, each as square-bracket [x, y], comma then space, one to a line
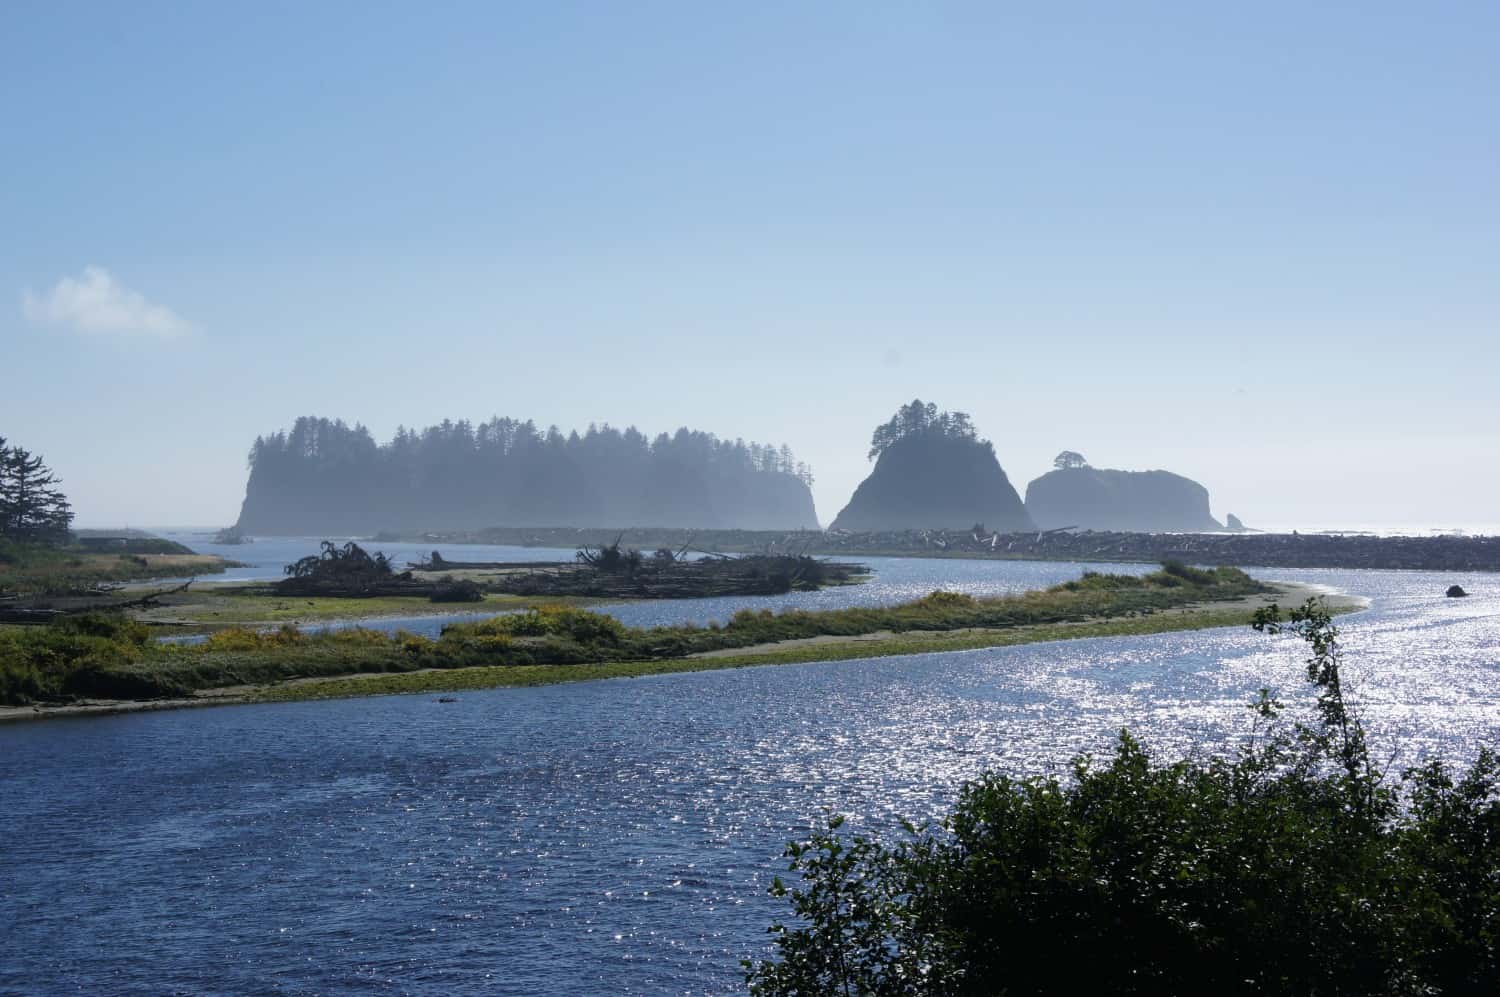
[922, 419]
[32, 508]
[327, 476]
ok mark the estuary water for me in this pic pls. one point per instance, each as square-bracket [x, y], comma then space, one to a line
[616, 836]
[893, 580]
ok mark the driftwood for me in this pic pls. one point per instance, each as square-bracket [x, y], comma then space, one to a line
[1277, 550]
[146, 600]
[438, 563]
[30, 615]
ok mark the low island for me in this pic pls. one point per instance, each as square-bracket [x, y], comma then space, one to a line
[105, 663]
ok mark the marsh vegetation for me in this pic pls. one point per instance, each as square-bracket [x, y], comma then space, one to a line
[107, 657]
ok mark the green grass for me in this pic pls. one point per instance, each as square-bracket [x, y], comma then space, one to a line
[105, 657]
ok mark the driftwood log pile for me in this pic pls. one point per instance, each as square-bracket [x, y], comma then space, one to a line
[1275, 550]
[47, 610]
[1270, 550]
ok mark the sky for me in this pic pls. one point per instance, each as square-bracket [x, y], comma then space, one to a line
[1257, 244]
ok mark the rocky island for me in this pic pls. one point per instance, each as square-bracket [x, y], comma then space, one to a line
[1094, 498]
[932, 469]
[326, 477]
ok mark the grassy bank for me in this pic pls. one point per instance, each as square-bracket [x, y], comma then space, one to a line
[110, 658]
[28, 570]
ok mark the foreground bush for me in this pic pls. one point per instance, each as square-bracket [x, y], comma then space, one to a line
[1295, 866]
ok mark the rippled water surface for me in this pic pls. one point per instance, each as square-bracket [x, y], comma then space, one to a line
[617, 836]
[265, 557]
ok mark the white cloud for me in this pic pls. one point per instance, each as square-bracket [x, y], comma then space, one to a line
[96, 302]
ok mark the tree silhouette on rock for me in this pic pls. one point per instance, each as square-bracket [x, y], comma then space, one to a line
[920, 419]
[932, 471]
[325, 476]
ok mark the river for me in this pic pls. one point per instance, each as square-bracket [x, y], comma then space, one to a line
[615, 836]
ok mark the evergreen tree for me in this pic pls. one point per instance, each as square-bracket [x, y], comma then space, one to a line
[32, 508]
[918, 419]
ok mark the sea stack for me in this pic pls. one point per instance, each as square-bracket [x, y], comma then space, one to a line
[932, 471]
[1093, 498]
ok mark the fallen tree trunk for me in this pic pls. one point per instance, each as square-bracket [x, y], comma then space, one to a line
[47, 614]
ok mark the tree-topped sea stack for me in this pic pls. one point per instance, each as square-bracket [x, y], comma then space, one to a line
[325, 477]
[1093, 498]
[933, 471]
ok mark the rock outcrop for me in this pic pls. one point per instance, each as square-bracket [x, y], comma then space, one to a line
[1233, 524]
[1127, 501]
[933, 472]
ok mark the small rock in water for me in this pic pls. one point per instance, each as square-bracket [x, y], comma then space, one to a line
[447, 699]
[1456, 592]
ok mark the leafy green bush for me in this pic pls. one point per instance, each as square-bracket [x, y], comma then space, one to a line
[56, 661]
[1294, 866]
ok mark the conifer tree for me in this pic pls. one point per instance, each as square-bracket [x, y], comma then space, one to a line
[32, 508]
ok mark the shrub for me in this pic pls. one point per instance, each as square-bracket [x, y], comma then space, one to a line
[1192, 576]
[461, 590]
[947, 600]
[41, 663]
[111, 626]
[549, 621]
[1093, 581]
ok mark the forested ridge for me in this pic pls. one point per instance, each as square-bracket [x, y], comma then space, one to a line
[325, 476]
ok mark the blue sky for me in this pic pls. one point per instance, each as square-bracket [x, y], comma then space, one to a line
[1256, 244]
